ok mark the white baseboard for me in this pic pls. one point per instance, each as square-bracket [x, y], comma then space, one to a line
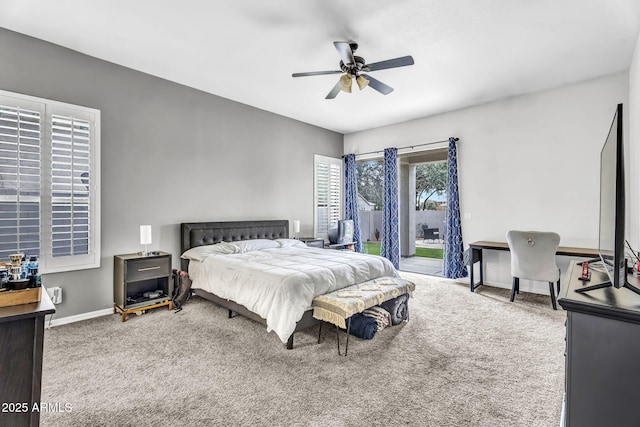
[76, 318]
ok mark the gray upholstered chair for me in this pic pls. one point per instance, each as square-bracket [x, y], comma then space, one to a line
[533, 257]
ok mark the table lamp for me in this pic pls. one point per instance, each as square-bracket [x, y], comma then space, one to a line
[296, 228]
[145, 238]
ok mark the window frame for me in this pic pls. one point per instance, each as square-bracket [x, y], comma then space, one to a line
[47, 108]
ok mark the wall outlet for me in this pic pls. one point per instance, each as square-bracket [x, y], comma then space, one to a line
[55, 294]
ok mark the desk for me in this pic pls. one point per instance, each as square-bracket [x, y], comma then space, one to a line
[476, 249]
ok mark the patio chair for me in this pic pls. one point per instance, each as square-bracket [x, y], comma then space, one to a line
[430, 233]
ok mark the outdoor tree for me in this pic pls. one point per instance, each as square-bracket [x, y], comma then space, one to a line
[370, 182]
[431, 179]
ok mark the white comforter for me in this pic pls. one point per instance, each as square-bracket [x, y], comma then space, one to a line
[279, 284]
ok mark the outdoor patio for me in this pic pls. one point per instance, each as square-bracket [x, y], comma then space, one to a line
[425, 261]
[422, 265]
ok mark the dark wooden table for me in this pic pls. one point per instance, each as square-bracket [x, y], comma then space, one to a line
[602, 351]
[347, 245]
[477, 248]
[21, 341]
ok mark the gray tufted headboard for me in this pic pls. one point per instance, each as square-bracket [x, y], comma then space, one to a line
[194, 234]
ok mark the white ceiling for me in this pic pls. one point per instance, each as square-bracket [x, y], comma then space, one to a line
[466, 51]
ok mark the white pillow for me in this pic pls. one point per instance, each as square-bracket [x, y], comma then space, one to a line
[199, 253]
[254, 245]
[291, 243]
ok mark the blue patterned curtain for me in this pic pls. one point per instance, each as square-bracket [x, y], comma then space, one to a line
[351, 197]
[454, 267]
[390, 246]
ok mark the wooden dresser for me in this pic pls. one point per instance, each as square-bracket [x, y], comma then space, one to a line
[602, 366]
[21, 341]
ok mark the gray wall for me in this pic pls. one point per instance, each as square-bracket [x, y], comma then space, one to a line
[170, 154]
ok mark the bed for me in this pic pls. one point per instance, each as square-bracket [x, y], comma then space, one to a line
[253, 269]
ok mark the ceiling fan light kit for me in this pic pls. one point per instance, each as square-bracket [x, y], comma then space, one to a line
[356, 66]
[345, 82]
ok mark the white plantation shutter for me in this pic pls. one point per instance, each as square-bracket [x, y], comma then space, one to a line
[49, 182]
[322, 197]
[335, 192]
[70, 195]
[328, 193]
[20, 135]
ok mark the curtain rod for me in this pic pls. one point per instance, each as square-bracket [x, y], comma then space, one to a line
[404, 148]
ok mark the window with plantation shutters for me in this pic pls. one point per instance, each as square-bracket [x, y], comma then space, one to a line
[20, 157]
[70, 195]
[49, 173]
[328, 193]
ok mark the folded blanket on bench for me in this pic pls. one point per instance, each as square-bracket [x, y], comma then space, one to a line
[398, 308]
[382, 316]
[362, 326]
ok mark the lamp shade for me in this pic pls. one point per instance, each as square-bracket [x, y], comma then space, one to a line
[145, 234]
[296, 225]
[345, 82]
[362, 82]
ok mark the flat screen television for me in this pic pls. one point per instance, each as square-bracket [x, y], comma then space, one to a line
[611, 234]
[341, 232]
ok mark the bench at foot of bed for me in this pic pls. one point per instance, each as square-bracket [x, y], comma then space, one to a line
[338, 306]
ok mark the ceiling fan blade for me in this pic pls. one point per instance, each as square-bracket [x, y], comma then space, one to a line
[335, 91]
[378, 85]
[391, 63]
[344, 50]
[315, 73]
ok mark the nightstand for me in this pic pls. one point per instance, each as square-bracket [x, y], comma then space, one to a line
[312, 241]
[349, 246]
[141, 283]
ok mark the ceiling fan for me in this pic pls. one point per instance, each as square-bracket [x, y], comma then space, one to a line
[355, 67]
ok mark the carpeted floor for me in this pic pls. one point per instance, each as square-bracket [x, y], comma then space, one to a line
[464, 359]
